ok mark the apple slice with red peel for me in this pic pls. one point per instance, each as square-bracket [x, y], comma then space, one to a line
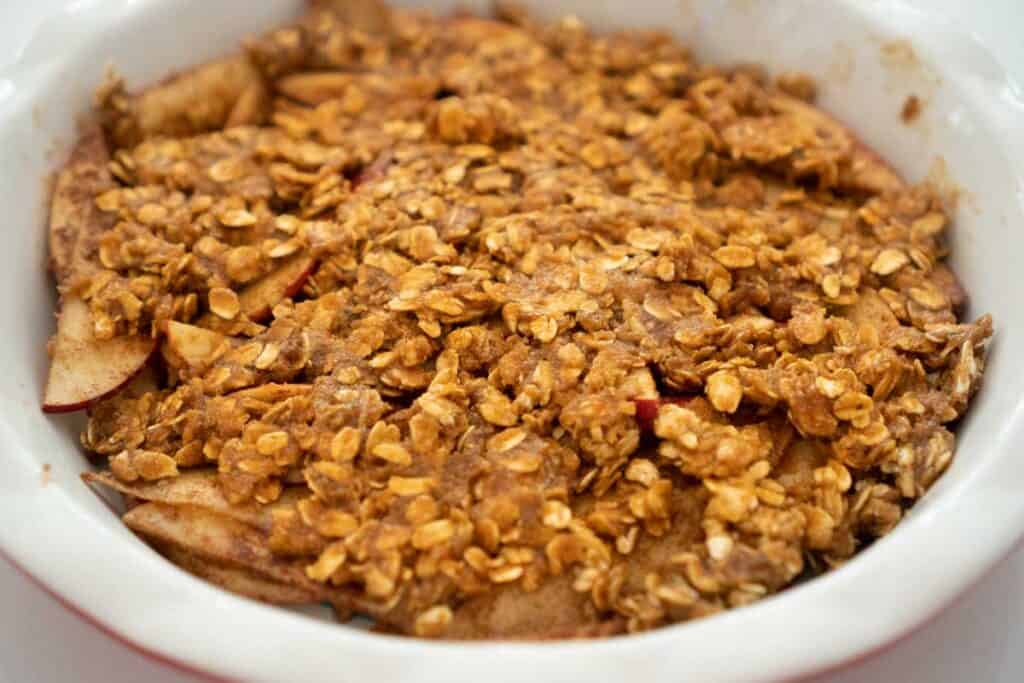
[375, 171]
[258, 299]
[647, 409]
[84, 369]
[191, 347]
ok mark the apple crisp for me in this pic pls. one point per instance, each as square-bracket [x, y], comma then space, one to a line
[496, 328]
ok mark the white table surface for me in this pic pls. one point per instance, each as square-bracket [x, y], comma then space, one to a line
[978, 638]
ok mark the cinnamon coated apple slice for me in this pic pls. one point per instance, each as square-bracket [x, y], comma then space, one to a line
[85, 369]
[258, 299]
[192, 349]
[867, 170]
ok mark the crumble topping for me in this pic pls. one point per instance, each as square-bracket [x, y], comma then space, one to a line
[491, 328]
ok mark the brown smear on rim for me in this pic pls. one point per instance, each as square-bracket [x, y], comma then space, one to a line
[900, 53]
[946, 187]
[909, 80]
[911, 109]
[841, 68]
[46, 474]
[905, 69]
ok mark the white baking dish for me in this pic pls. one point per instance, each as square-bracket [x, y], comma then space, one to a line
[869, 54]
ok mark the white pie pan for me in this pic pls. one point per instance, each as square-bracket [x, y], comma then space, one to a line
[64, 537]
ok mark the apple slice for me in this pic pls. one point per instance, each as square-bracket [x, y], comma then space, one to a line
[868, 171]
[647, 409]
[258, 299]
[196, 487]
[84, 369]
[75, 221]
[216, 538]
[376, 170]
[190, 103]
[192, 348]
[239, 581]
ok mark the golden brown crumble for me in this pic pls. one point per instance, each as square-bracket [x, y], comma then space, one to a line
[489, 328]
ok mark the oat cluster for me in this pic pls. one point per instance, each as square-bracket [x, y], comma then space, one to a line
[598, 338]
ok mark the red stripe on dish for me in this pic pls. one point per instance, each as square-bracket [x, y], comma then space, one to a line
[109, 631]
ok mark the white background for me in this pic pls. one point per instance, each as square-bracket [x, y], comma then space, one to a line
[978, 638]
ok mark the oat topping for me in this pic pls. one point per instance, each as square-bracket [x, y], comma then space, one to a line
[490, 328]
